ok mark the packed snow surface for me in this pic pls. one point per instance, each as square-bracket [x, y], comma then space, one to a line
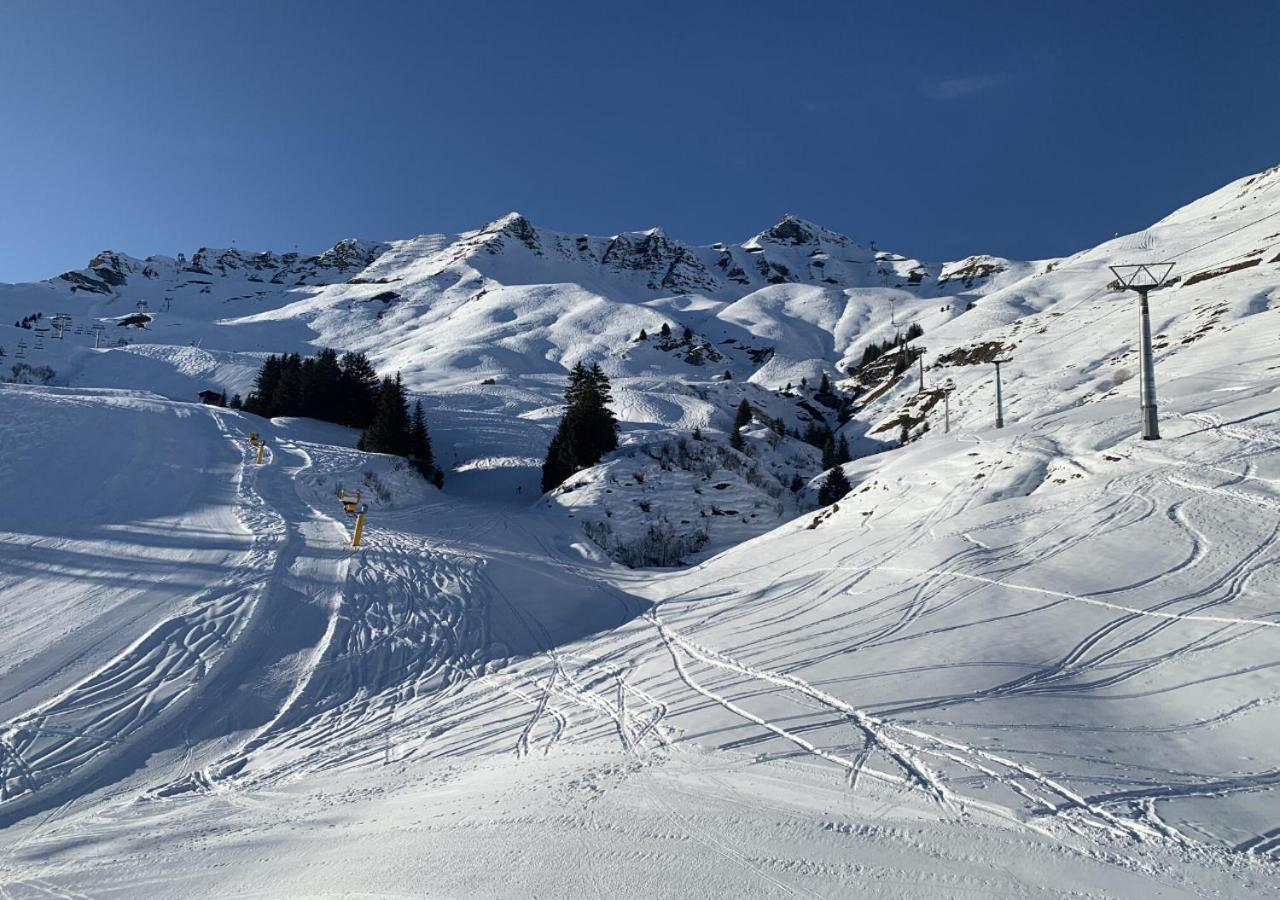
[1039, 661]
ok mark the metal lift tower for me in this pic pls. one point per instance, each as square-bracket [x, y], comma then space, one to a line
[1144, 278]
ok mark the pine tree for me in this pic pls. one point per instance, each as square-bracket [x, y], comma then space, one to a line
[236, 402]
[727, 376]
[420, 442]
[737, 442]
[644, 336]
[817, 434]
[665, 331]
[587, 430]
[828, 452]
[842, 451]
[320, 382]
[389, 430]
[357, 391]
[797, 483]
[561, 460]
[264, 386]
[286, 399]
[834, 487]
[742, 418]
[688, 333]
[579, 384]
[696, 434]
[824, 386]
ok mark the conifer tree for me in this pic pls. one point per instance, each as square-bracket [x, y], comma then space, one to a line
[389, 430]
[834, 487]
[236, 402]
[587, 430]
[644, 336]
[561, 461]
[842, 451]
[665, 331]
[420, 442]
[824, 386]
[828, 452]
[742, 418]
[286, 399]
[357, 391]
[737, 441]
[264, 386]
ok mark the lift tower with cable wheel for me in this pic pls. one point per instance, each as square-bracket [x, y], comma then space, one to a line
[1000, 394]
[1144, 278]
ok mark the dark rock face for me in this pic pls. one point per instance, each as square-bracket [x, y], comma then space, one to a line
[772, 272]
[198, 261]
[347, 254]
[670, 265]
[81, 282]
[111, 276]
[790, 231]
[495, 236]
[522, 230]
[111, 268]
[970, 272]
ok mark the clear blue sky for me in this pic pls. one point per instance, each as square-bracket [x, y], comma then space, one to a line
[1024, 129]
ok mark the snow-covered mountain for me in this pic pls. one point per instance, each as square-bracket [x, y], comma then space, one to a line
[492, 319]
[1033, 661]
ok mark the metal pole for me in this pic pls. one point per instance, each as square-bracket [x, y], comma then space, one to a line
[946, 412]
[999, 398]
[921, 389]
[1150, 422]
[359, 530]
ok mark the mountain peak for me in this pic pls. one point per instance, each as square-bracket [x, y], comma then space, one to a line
[796, 232]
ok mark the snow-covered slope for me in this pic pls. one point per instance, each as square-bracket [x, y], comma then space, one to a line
[489, 321]
[1034, 661]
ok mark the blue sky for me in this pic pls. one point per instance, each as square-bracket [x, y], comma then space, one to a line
[1023, 129]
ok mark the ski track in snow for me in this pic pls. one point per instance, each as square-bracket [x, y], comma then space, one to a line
[113, 711]
[1057, 634]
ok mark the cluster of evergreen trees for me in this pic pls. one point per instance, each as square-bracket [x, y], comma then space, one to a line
[347, 391]
[588, 429]
[875, 351]
[395, 430]
[835, 451]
